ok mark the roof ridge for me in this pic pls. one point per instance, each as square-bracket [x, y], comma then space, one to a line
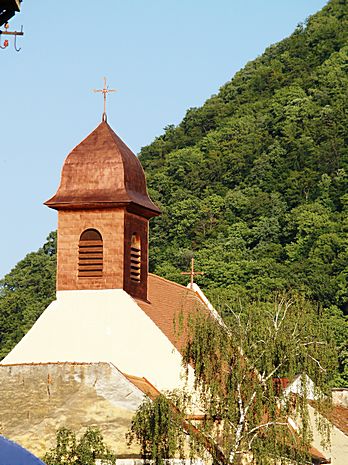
[83, 140]
[173, 282]
[116, 138]
[142, 380]
[49, 363]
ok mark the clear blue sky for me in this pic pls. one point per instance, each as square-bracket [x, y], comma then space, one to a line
[163, 57]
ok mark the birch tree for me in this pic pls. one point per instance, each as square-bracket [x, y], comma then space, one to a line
[242, 366]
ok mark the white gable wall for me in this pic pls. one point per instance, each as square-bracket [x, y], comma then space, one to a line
[338, 450]
[102, 326]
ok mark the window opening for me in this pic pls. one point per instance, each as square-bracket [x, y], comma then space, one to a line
[90, 254]
[135, 262]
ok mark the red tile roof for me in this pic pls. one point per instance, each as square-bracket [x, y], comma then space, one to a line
[317, 456]
[281, 383]
[166, 301]
[339, 418]
[337, 415]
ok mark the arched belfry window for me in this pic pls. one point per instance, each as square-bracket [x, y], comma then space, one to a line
[90, 254]
[135, 261]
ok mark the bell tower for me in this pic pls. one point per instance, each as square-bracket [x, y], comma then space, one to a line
[103, 214]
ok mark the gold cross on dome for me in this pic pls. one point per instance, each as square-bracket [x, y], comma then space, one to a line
[192, 273]
[104, 91]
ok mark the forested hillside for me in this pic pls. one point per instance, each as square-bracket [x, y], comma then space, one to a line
[253, 184]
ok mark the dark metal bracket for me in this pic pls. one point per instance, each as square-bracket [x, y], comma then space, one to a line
[10, 33]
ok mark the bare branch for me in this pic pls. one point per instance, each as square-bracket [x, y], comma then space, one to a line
[240, 401]
[241, 422]
[286, 304]
[232, 424]
[317, 362]
[250, 402]
[272, 372]
[314, 343]
[264, 425]
[295, 329]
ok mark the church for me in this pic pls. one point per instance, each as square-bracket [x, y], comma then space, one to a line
[109, 337]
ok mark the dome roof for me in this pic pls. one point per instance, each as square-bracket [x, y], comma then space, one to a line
[102, 172]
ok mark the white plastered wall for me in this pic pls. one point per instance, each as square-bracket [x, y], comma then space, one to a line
[338, 450]
[102, 326]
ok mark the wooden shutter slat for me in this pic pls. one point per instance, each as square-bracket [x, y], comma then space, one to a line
[88, 265]
[135, 259]
[90, 274]
[91, 243]
[84, 256]
[91, 250]
[91, 262]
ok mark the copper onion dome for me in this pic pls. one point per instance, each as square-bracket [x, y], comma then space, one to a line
[102, 172]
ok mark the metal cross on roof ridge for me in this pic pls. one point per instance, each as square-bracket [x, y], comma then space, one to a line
[104, 91]
[192, 273]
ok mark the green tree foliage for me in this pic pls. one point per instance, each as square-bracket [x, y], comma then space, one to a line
[25, 292]
[254, 183]
[238, 366]
[87, 450]
[158, 428]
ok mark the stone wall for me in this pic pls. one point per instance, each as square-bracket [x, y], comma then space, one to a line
[38, 399]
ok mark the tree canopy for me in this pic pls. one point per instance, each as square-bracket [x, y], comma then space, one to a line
[242, 368]
[86, 450]
[254, 183]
